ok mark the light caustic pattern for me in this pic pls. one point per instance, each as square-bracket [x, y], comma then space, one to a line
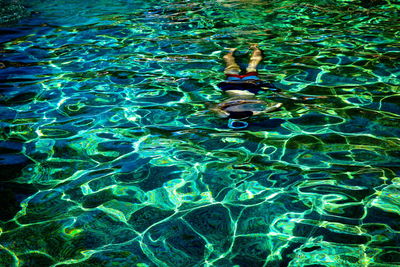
[110, 156]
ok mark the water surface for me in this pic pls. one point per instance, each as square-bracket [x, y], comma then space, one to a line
[110, 157]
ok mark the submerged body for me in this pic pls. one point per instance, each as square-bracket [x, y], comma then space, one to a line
[242, 89]
[241, 107]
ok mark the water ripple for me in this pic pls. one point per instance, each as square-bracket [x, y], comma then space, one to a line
[111, 157]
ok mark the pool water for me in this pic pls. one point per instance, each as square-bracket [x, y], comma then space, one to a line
[111, 157]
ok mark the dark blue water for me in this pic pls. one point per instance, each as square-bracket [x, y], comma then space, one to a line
[110, 155]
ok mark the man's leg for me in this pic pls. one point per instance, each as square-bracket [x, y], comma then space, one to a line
[231, 66]
[255, 59]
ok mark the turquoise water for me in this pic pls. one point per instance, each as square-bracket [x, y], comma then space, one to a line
[110, 156]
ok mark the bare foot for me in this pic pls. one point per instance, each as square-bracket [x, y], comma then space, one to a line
[231, 50]
[254, 46]
[229, 56]
[257, 53]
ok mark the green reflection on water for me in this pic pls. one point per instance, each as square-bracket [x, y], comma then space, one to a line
[128, 167]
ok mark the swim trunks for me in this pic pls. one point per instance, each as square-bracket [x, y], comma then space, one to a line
[245, 77]
[247, 82]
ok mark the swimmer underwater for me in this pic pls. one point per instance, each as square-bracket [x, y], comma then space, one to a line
[242, 90]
